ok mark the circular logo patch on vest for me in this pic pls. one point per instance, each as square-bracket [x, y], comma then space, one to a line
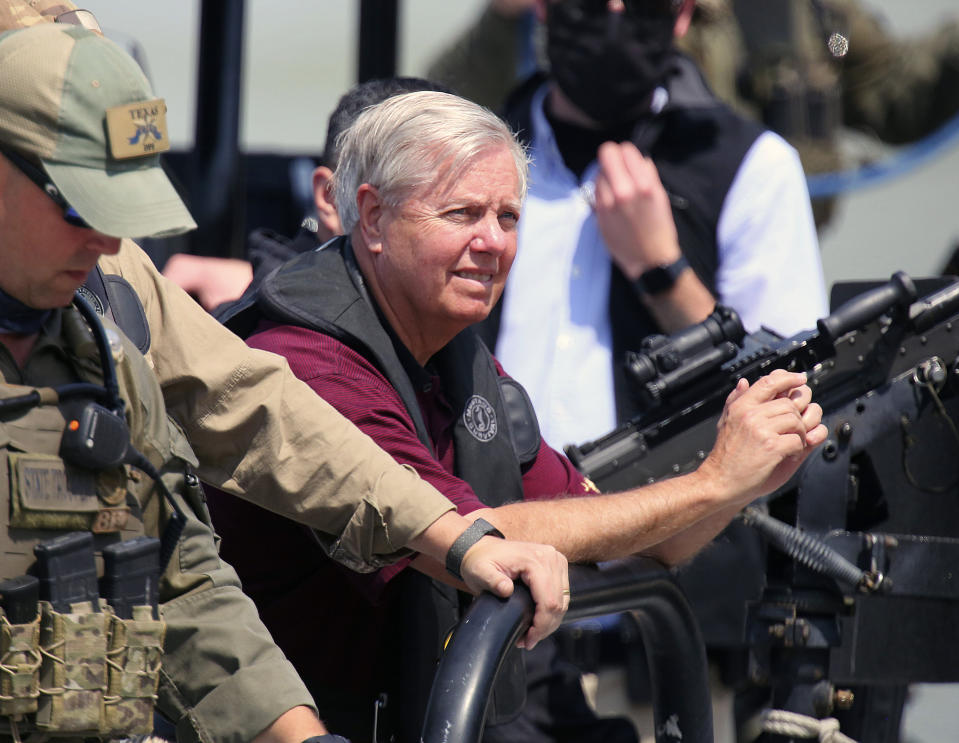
[480, 418]
[92, 299]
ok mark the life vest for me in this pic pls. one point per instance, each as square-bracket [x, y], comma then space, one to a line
[495, 434]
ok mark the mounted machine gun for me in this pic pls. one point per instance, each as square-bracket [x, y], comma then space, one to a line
[863, 588]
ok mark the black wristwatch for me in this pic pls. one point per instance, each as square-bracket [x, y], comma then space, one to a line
[328, 738]
[661, 278]
[475, 532]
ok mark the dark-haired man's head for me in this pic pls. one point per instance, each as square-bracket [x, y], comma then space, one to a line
[361, 97]
[356, 100]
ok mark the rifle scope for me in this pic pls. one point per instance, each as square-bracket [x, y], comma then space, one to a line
[661, 354]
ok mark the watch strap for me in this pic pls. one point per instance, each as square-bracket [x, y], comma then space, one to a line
[328, 738]
[661, 278]
[476, 531]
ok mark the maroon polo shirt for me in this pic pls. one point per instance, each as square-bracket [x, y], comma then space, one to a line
[297, 589]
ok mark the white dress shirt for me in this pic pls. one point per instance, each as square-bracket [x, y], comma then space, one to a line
[555, 335]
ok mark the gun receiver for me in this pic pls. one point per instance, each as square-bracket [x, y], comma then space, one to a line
[684, 379]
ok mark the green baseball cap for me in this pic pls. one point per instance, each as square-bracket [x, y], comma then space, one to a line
[79, 104]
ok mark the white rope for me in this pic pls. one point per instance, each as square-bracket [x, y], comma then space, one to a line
[792, 724]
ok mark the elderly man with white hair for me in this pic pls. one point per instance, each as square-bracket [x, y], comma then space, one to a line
[430, 190]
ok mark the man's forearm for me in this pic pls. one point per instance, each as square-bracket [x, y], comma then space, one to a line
[765, 432]
[436, 539]
[686, 303]
[606, 527]
[683, 546]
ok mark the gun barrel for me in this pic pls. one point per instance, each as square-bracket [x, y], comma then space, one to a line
[935, 308]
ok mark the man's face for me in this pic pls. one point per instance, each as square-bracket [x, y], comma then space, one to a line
[446, 251]
[43, 259]
[607, 58]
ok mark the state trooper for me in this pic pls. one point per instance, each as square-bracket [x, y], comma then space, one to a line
[114, 599]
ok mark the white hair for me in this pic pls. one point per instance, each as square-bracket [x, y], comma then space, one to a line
[413, 140]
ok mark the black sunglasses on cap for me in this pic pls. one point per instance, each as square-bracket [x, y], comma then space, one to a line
[43, 182]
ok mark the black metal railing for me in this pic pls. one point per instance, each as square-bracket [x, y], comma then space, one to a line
[674, 648]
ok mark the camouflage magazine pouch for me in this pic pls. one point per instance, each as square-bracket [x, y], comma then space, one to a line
[133, 670]
[73, 672]
[19, 667]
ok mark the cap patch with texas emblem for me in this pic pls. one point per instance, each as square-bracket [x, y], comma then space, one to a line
[137, 129]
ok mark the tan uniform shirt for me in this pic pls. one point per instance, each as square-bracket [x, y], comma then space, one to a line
[262, 434]
[222, 677]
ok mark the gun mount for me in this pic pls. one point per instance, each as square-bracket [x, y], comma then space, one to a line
[880, 498]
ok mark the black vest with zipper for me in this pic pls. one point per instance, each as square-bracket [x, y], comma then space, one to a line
[494, 436]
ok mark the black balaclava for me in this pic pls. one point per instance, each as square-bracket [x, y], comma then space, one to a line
[609, 63]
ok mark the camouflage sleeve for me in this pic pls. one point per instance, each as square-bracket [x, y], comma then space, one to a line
[262, 434]
[899, 90]
[482, 63]
[23, 13]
